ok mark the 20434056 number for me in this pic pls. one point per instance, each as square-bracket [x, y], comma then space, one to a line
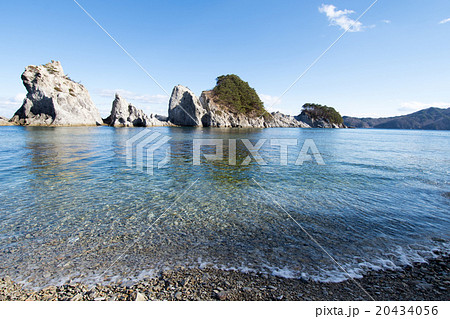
[403, 310]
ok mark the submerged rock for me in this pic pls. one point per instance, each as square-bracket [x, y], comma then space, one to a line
[126, 114]
[53, 99]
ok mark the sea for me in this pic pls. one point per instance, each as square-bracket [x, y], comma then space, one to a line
[103, 205]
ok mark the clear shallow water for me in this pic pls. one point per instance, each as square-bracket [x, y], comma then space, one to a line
[70, 206]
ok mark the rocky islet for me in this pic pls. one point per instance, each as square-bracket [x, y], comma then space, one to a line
[53, 99]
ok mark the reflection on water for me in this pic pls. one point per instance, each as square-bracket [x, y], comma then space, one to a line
[56, 157]
[71, 207]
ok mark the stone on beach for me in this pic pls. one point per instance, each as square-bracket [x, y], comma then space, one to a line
[140, 297]
[420, 281]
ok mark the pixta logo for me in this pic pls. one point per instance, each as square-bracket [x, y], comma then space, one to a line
[308, 151]
[141, 150]
[149, 149]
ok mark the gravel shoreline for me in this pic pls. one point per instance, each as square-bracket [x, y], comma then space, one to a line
[421, 281]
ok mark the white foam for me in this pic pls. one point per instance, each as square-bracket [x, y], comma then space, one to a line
[397, 258]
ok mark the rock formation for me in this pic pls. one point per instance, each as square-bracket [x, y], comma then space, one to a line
[216, 116]
[318, 123]
[125, 114]
[54, 99]
[4, 121]
[186, 109]
[282, 120]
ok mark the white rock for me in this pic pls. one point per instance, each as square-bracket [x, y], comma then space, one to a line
[125, 114]
[4, 121]
[140, 297]
[185, 108]
[54, 99]
[281, 120]
[217, 116]
[77, 297]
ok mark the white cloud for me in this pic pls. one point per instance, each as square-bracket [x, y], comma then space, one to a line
[135, 97]
[413, 106]
[9, 105]
[341, 18]
[157, 103]
[19, 97]
[444, 21]
[386, 21]
[269, 101]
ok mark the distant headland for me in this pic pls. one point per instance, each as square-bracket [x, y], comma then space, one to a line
[432, 118]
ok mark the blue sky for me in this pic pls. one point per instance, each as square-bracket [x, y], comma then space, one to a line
[395, 61]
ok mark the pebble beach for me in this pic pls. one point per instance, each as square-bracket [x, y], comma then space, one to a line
[419, 281]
